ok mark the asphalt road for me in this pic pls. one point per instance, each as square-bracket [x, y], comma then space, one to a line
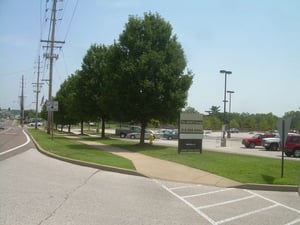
[36, 189]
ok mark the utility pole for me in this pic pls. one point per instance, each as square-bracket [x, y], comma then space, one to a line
[37, 91]
[51, 56]
[22, 103]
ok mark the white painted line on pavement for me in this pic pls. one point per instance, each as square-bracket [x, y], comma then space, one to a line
[15, 148]
[186, 186]
[226, 202]
[187, 203]
[293, 222]
[246, 214]
[206, 193]
[270, 200]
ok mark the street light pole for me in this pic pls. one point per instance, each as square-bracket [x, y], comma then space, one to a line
[223, 141]
[230, 92]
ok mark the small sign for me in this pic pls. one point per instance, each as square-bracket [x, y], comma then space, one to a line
[190, 132]
[52, 106]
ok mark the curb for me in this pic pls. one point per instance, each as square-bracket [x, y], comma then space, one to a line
[86, 164]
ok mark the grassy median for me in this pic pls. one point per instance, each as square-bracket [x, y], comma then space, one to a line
[242, 168]
[71, 148]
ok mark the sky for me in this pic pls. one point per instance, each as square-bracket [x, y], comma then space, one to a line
[258, 41]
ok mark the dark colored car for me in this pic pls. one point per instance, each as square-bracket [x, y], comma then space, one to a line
[171, 135]
[256, 140]
[292, 145]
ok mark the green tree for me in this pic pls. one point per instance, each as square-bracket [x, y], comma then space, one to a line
[66, 99]
[96, 76]
[151, 78]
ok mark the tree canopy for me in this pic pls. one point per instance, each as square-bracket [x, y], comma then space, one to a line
[151, 80]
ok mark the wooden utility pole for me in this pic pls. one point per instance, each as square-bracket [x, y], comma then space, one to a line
[37, 91]
[22, 103]
[51, 56]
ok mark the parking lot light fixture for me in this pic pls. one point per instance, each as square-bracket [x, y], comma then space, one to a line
[225, 72]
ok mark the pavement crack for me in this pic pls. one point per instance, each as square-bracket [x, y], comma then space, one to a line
[67, 196]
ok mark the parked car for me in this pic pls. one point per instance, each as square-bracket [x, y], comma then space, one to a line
[172, 134]
[271, 143]
[32, 124]
[292, 145]
[123, 132]
[137, 135]
[255, 140]
[233, 130]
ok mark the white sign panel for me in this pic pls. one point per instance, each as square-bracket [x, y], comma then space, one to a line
[52, 106]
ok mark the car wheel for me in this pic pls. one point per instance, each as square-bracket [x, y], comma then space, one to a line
[273, 147]
[132, 137]
[288, 154]
[297, 153]
[122, 135]
[252, 145]
[169, 138]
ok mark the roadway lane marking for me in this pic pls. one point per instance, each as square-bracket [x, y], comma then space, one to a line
[20, 146]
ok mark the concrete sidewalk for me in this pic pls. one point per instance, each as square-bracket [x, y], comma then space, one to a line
[166, 170]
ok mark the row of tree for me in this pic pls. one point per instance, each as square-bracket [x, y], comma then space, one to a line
[142, 76]
[246, 121]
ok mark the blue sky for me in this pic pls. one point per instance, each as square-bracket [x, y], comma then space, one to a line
[257, 40]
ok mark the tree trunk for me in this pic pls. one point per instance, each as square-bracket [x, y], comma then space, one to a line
[143, 128]
[102, 127]
[81, 127]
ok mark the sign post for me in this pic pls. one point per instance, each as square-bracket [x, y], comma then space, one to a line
[283, 126]
[51, 106]
[190, 132]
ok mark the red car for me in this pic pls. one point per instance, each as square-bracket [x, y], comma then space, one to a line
[292, 145]
[256, 140]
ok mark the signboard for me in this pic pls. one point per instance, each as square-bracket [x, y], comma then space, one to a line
[190, 132]
[52, 106]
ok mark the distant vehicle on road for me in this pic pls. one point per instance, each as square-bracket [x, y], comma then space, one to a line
[255, 140]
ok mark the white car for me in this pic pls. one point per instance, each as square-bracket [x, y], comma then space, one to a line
[32, 124]
[136, 135]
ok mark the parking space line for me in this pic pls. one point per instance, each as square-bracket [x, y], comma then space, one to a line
[246, 214]
[187, 203]
[186, 186]
[270, 200]
[226, 202]
[252, 194]
[206, 193]
[293, 222]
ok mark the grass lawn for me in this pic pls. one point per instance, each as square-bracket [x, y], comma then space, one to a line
[73, 149]
[242, 168]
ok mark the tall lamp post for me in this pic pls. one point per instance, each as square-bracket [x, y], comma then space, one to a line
[229, 92]
[223, 140]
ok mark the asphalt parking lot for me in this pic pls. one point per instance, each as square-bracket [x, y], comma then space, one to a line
[237, 206]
